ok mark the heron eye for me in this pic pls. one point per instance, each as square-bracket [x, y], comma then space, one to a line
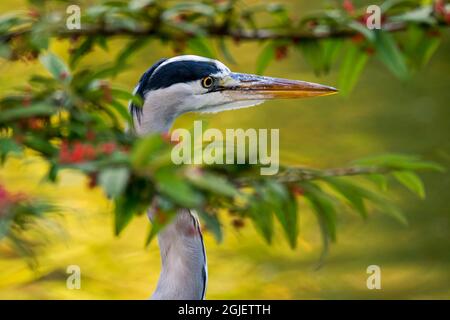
[207, 82]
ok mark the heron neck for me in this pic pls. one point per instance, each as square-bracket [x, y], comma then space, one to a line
[184, 274]
[158, 115]
[183, 258]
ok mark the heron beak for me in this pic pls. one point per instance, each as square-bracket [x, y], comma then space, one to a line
[243, 86]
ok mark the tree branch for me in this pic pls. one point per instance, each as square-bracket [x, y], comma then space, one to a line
[293, 174]
[213, 31]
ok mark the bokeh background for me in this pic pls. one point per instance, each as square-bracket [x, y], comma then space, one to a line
[383, 114]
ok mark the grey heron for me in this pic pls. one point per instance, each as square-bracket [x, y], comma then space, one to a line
[170, 88]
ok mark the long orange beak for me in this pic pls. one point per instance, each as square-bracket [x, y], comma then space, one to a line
[253, 87]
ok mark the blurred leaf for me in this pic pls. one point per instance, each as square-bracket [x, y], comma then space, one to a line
[123, 111]
[420, 46]
[41, 145]
[225, 52]
[351, 68]
[320, 55]
[212, 224]
[144, 149]
[186, 7]
[284, 206]
[82, 49]
[175, 187]
[213, 183]
[124, 212]
[130, 48]
[324, 207]
[400, 162]
[379, 180]
[57, 67]
[157, 225]
[265, 57]
[351, 192]
[386, 207]
[262, 218]
[199, 46]
[39, 109]
[140, 4]
[366, 32]
[389, 53]
[411, 181]
[8, 146]
[114, 180]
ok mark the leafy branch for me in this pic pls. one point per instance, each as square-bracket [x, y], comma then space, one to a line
[74, 117]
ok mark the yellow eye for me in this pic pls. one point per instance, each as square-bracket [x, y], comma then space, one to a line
[207, 82]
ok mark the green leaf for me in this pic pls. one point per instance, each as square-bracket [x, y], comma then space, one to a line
[411, 181]
[122, 111]
[324, 207]
[312, 53]
[264, 58]
[351, 68]
[420, 46]
[331, 49]
[262, 218]
[380, 180]
[157, 226]
[320, 55]
[175, 187]
[186, 7]
[200, 46]
[114, 180]
[225, 52]
[56, 67]
[400, 162]
[8, 146]
[82, 49]
[126, 95]
[130, 48]
[213, 183]
[123, 213]
[385, 206]
[41, 145]
[212, 224]
[366, 32]
[144, 150]
[140, 4]
[389, 53]
[351, 192]
[34, 110]
[284, 205]
[5, 51]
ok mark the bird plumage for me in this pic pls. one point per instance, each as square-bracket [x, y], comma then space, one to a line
[189, 83]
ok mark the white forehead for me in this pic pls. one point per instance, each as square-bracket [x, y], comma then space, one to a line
[223, 69]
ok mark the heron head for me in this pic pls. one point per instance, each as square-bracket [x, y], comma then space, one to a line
[196, 84]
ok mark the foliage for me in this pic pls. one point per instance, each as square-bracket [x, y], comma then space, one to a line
[74, 117]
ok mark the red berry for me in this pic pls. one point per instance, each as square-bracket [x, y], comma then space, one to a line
[77, 153]
[238, 223]
[281, 52]
[89, 152]
[92, 182]
[3, 193]
[90, 135]
[108, 148]
[33, 13]
[297, 190]
[357, 38]
[439, 7]
[348, 6]
[370, 51]
[63, 75]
